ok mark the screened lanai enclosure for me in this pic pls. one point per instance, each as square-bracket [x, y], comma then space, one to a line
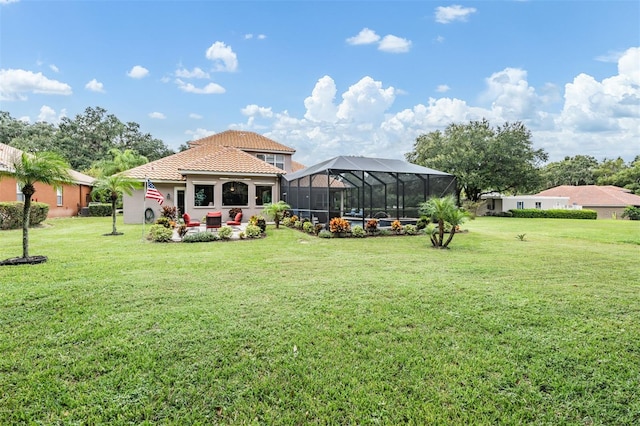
[361, 188]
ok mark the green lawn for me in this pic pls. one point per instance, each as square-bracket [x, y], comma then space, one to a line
[292, 329]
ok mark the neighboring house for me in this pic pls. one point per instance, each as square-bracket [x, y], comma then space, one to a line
[608, 201]
[63, 202]
[222, 171]
[498, 203]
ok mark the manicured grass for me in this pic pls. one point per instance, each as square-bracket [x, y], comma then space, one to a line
[292, 329]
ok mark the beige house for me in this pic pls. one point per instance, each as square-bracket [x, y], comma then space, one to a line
[219, 172]
[498, 203]
[608, 201]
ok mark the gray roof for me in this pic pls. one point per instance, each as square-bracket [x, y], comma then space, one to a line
[364, 164]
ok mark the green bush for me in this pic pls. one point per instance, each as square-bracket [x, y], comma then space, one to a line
[253, 231]
[160, 234]
[100, 209]
[286, 221]
[307, 227]
[325, 233]
[225, 232]
[633, 213]
[319, 227]
[358, 231]
[164, 221]
[410, 229]
[201, 237]
[422, 222]
[384, 232]
[11, 214]
[554, 214]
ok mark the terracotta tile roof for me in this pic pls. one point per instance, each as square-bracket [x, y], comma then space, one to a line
[594, 195]
[295, 166]
[243, 140]
[227, 159]
[8, 153]
[220, 153]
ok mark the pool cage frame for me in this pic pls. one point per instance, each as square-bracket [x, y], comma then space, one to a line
[362, 188]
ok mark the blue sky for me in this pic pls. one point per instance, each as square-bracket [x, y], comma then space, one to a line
[332, 78]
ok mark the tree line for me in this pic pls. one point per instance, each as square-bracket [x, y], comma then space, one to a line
[86, 141]
[502, 159]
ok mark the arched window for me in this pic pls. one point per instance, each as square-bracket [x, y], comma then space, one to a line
[235, 194]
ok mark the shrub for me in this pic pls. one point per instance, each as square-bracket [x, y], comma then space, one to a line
[252, 231]
[170, 212]
[338, 225]
[396, 227]
[100, 209]
[422, 222]
[371, 226]
[182, 230]
[258, 221]
[165, 221]
[294, 218]
[11, 214]
[297, 224]
[384, 232]
[233, 212]
[325, 234]
[358, 231]
[410, 229]
[160, 234]
[225, 232]
[201, 237]
[554, 213]
[318, 228]
[633, 213]
[307, 227]
[287, 222]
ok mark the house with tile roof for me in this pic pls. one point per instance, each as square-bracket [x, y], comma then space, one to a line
[608, 201]
[231, 169]
[63, 202]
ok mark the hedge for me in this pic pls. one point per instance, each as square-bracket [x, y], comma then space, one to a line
[11, 214]
[100, 209]
[555, 213]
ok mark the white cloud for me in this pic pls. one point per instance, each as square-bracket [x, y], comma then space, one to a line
[53, 68]
[442, 88]
[138, 72]
[261, 36]
[365, 100]
[223, 57]
[16, 83]
[439, 39]
[248, 36]
[49, 115]
[209, 89]
[365, 36]
[195, 73]
[319, 105]
[199, 133]
[448, 14]
[8, 1]
[512, 97]
[255, 110]
[195, 116]
[393, 44]
[95, 86]
[157, 115]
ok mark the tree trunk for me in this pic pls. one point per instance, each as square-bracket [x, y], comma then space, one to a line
[440, 232]
[453, 231]
[26, 216]
[113, 215]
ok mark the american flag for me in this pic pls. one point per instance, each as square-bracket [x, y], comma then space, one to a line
[153, 193]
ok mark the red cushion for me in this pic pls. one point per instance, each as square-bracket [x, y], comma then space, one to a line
[238, 218]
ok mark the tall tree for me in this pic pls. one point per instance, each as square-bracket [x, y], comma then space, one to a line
[28, 169]
[482, 159]
[119, 161]
[578, 170]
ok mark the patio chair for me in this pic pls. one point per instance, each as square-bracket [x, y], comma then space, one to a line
[236, 221]
[190, 223]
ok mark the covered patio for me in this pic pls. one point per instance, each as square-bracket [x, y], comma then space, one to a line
[361, 188]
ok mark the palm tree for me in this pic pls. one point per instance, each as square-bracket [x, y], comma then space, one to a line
[45, 167]
[444, 210]
[112, 187]
[276, 210]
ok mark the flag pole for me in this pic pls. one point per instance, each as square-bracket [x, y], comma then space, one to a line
[144, 205]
